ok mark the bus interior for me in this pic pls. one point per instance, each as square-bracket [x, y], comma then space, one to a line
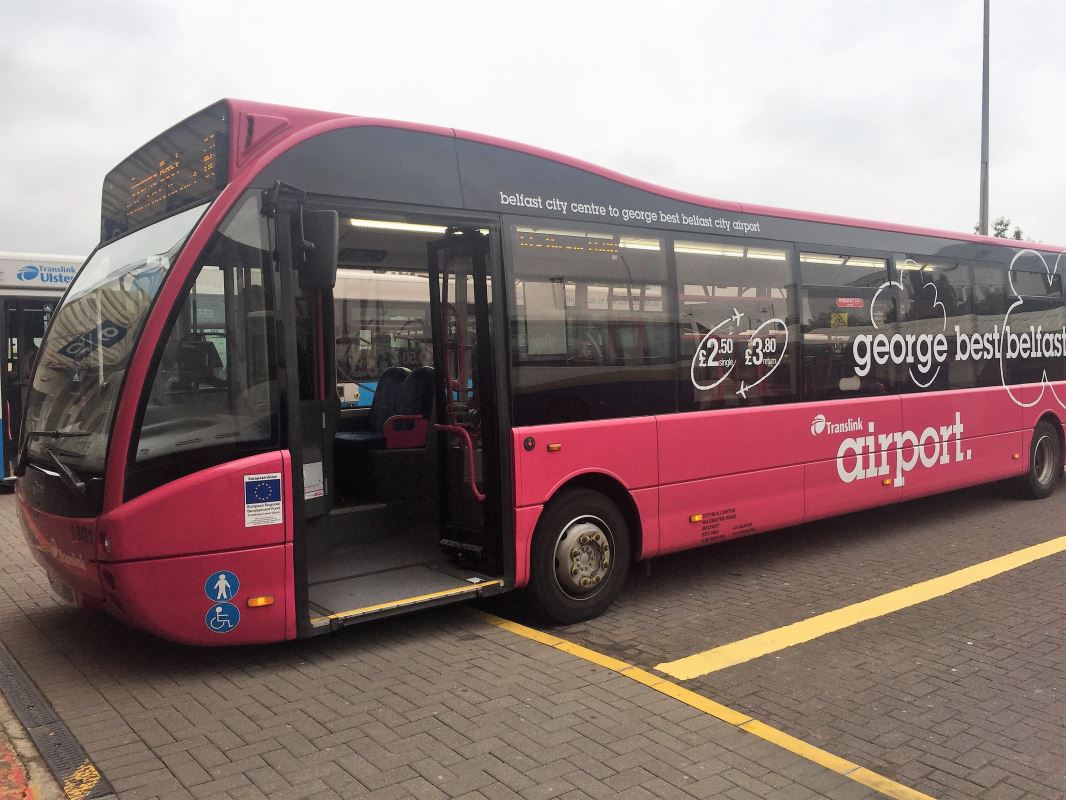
[395, 507]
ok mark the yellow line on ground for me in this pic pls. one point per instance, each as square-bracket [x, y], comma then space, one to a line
[841, 766]
[738, 652]
[81, 782]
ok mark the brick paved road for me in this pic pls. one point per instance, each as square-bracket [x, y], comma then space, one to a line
[427, 706]
[960, 697]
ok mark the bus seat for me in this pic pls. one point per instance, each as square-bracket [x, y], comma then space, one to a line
[198, 362]
[387, 398]
[409, 426]
[425, 394]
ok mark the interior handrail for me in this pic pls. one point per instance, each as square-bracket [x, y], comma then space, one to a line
[464, 434]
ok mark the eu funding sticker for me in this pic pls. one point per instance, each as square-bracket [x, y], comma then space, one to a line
[262, 499]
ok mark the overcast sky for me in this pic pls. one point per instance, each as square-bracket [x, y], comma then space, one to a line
[853, 107]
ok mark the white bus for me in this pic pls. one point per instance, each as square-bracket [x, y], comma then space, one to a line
[30, 286]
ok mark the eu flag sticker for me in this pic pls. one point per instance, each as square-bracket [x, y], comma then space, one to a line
[262, 499]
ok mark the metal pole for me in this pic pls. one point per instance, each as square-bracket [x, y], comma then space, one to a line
[983, 214]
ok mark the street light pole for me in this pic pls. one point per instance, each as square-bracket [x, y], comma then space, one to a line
[983, 214]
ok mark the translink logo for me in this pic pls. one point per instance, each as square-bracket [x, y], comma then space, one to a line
[890, 456]
[821, 425]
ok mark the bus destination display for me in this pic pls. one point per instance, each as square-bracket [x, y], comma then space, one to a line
[184, 166]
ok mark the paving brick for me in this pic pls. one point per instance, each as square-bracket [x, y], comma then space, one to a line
[972, 678]
[439, 705]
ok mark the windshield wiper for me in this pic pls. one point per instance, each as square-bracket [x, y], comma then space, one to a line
[69, 476]
[58, 434]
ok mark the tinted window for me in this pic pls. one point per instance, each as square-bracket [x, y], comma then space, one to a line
[937, 300]
[591, 325]
[213, 395]
[827, 269]
[1036, 283]
[1034, 347]
[990, 307]
[833, 315]
[738, 333]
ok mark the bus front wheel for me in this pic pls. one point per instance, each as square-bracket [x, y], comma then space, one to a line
[580, 557]
[1045, 462]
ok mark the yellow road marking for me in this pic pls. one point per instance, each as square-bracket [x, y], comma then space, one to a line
[81, 783]
[841, 766]
[762, 644]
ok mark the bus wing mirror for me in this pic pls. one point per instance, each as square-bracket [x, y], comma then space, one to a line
[319, 268]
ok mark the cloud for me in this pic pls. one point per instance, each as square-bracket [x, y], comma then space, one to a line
[860, 108]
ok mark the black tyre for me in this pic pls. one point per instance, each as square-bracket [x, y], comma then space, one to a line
[580, 557]
[1045, 463]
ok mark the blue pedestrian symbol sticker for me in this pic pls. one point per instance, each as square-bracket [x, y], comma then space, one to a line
[222, 585]
[223, 617]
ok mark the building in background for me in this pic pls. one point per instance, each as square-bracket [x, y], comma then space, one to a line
[30, 287]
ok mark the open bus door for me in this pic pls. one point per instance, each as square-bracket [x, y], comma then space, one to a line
[468, 465]
[389, 503]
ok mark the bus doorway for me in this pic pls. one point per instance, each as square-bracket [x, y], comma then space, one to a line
[24, 325]
[395, 489]
[459, 300]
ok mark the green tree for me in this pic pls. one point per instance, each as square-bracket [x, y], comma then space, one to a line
[1001, 227]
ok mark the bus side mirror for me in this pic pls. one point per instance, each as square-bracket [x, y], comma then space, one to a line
[319, 268]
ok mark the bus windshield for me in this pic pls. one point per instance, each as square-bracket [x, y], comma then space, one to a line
[75, 387]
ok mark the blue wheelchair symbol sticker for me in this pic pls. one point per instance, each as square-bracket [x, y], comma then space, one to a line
[223, 617]
[222, 585]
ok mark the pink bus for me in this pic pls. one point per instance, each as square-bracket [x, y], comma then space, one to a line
[572, 371]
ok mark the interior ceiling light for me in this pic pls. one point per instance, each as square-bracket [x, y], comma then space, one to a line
[406, 227]
[837, 261]
[631, 243]
[720, 250]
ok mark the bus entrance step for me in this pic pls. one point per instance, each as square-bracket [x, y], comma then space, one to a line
[381, 594]
[360, 508]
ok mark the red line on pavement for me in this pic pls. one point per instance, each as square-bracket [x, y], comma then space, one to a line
[14, 782]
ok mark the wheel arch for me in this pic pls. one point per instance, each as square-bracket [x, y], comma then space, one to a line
[1053, 419]
[1036, 483]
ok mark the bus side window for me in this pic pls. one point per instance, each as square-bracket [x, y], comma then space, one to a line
[845, 296]
[737, 323]
[213, 397]
[1038, 315]
[590, 325]
[212, 369]
[990, 307]
[937, 298]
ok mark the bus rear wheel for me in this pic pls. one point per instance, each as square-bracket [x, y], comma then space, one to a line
[1045, 462]
[580, 557]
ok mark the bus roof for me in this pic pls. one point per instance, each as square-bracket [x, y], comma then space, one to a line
[743, 208]
[273, 123]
